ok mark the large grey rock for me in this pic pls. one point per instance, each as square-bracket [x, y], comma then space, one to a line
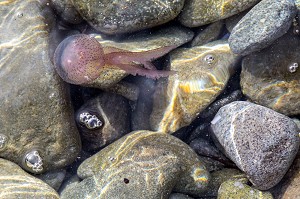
[260, 141]
[119, 16]
[36, 117]
[264, 23]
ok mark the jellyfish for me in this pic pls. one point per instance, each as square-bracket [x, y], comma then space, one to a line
[79, 58]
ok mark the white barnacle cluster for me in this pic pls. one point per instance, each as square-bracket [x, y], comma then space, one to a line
[90, 121]
[34, 162]
[3, 141]
[293, 67]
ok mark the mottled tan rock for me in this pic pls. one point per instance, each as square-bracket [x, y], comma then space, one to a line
[119, 16]
[200, 12]
[271, 77]
[238, 189]
[35, 109]
[139, 42]
[16, 183]
[201, 74]
[142, 164]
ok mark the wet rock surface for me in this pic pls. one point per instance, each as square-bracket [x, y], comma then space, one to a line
[37, 122]
[66, 10]
[271, 77]
[179, 98]
[209, 34]
[263, 24]
[35, 110]
[238, 188]
[261, 142]
[200, 12]
[103, 120]
[142, 164]
[113, 17]
[16, 183]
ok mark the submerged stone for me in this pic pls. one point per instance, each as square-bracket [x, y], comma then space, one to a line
[263, 24]
[142, 164]
[260, 141]
[238, 189]
[16, 183]
[271, 77]
[201, 12]
[114, 17]
[201, 75]
[35, 109]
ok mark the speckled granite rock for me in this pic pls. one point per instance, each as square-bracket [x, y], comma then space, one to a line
[35, 110]
[264, 23]
[238, 189]
[139, 42]
[111, 17]
[16, 183]
[200, 12]
[102, 120]
[271, 77]
[261, 142]
[142, 164]
[201, 74]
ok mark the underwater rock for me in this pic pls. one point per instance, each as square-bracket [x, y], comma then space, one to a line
[142, 108]
[201, 75]
[208, 34]
[271, 77]
[204, 148]
[263, 24]
[53, 178]
[179, 196]
[201, 12]
[260, 141]
[218, 177]
[16, 183]
[36, 116]
[142, 164]
[114, 17]
[103, 120]
[238, 189]
[66, 10]
[293, 185]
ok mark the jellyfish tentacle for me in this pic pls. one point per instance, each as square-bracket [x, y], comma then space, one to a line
[138, 70]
